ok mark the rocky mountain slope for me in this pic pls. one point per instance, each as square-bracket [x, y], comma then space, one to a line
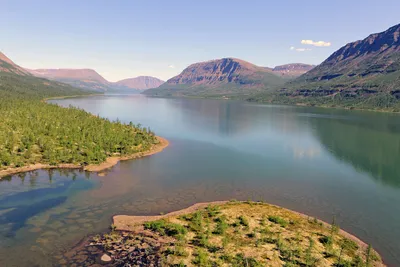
[81, 78]
[221, 77]
[292, 70]
[15, 81]
[7, 65]
[362, 74]
[140, 83]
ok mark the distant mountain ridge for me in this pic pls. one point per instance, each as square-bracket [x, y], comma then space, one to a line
[292, 70]
[220, 77]
[141, 82]
[361, 74]
[83, 74]
[17, 82]
[80, 78]
[89, 79]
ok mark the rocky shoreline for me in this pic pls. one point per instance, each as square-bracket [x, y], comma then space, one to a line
[131, 243]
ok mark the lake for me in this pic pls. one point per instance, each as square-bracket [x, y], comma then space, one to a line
[322, 162]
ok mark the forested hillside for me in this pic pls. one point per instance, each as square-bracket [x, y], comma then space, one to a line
[32, 131]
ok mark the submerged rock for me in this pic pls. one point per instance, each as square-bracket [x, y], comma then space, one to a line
[105, 258]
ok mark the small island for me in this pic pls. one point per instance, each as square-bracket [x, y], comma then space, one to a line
[230, 234]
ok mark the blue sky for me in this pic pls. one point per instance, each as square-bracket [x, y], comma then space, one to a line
[122, 39]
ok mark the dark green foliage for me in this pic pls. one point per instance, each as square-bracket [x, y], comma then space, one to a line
[326, 240]
[180, 264]
[212, 211]
[239, 260]
[251, 235]
[32, 131]
[278, 220]
[196, 221]
[178, 251]
[166, 228]
[242, 220]
[202, 259]
[358, 261]
[368, 256]
[221, 226]
[310, 260]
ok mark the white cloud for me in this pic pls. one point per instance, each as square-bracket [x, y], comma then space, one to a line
[299, 49]
[171, 66]
[319, 43]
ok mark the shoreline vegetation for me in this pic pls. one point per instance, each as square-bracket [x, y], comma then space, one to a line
[230, 233]
[35, 134]
[283, 103]
[108, 163]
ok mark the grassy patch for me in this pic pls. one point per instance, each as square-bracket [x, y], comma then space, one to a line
[278, 220]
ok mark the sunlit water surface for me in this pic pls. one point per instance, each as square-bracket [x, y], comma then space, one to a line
[321, 162]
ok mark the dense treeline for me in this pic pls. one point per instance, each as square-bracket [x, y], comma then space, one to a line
[32, 131]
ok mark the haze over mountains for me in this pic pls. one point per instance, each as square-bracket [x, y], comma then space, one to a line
[86, 79]
[292, 70]
[16, 81]
[91, 80]
[81, 78]
[141, 82]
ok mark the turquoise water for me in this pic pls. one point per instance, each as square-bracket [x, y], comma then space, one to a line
[321, 162]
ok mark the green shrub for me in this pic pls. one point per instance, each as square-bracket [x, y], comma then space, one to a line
[240, 260]
[221, 226]
[251, 235]
[196, 221]
[326, 240]
[212, 211]
[201, 259]
[278, 220]
[243, 220]
[166, 228]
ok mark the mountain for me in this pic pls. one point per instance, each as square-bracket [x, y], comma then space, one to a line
[7, 65]
[140, 83]
[81, 78]
[89, 79]
[227, 77]
[19, 83]
[364, 74]
[292, 70]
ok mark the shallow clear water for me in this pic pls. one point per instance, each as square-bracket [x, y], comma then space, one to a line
[321, 162]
